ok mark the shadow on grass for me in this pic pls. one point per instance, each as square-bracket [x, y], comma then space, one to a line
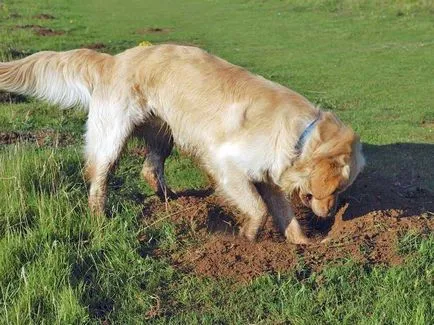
[9, 98]
[397, 177]
[397, 182]
[95, 297]
[198, 193]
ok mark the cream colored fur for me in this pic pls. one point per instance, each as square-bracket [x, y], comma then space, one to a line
[242, 127]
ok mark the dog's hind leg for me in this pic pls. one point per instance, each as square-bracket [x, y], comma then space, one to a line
[159, 144]
[281, 211]
[108, 128]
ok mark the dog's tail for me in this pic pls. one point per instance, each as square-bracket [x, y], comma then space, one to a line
[64, 78]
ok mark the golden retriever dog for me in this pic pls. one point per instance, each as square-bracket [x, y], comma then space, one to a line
[258, 140]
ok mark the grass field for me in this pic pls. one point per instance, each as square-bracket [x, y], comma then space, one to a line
[369, 61]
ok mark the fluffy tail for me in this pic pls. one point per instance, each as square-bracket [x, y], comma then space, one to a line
[64, 78]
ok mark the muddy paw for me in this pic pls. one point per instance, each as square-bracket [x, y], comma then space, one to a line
[301, 240]
[325, 240]
[247, 232]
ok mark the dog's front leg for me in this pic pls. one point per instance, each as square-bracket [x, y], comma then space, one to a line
[280, 208]
[242, 192]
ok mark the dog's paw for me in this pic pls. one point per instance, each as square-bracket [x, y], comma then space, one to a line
[295, 235]
[300, 240]
[96, 205]
[246, 232]
[325, 240]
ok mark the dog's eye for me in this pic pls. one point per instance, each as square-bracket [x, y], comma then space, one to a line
[309, 197]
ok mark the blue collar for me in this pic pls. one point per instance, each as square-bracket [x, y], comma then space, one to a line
[306, 133]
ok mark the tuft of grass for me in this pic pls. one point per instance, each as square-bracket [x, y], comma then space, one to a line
[410, 242]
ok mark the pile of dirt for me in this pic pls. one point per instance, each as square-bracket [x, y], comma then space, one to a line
[41, 138]
[366, 228]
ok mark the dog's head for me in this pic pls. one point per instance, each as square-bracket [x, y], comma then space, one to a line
[328, 164]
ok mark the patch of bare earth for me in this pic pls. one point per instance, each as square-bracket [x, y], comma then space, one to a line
[40, 138]
[41, 30]
[372, 215]
[428, 124]
[43, 16]
[153, 30]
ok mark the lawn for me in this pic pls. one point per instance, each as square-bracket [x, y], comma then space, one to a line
[369, 61]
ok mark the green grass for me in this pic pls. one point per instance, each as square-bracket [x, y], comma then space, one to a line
[369, 61]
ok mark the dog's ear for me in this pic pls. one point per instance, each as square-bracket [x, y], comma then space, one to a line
[325, 177]
[328, 126]
[330, 138]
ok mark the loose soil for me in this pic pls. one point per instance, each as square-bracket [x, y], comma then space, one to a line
[373, 214]
[41, 138]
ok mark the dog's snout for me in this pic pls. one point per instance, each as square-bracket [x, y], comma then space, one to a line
[324, 208]
[324, 214]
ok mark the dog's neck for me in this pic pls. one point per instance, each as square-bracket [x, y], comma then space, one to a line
[304, 136]
[291, 142]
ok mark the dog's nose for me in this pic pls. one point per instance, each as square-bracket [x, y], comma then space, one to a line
[325, 208]
[325, 213]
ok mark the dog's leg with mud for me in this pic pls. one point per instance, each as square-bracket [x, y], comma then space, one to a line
[105, 138]
[242, 192]
[159, 144]
[280, 208]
